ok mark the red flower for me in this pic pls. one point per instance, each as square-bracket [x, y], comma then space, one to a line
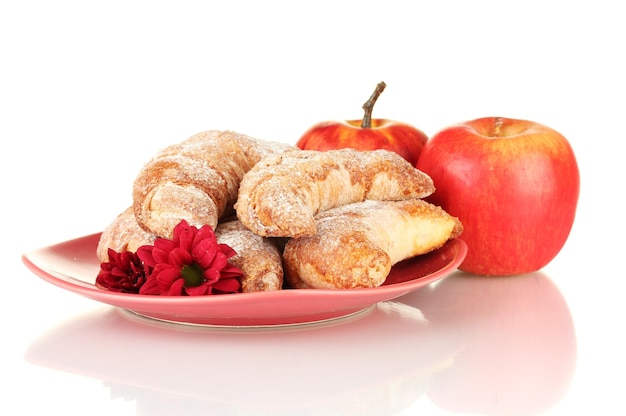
[124, 272]
[192, 263]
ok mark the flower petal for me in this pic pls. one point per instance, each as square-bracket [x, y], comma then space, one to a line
[204, 252]
[179, 257]
[220, 261]
[231, 271]
[211, 275]
[227, 250]
[145, 254]
[150, 287]
[205, 232]
[227, 286]
[201, 290]
[176, 289]
[160, 254]
[184, 235]
[166, 276]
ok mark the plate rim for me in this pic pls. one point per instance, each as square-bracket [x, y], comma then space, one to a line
[89, 290]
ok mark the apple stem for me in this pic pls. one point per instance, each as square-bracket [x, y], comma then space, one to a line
[497, 126]
[366, 123]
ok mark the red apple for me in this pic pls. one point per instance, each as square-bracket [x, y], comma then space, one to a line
[514, 184]
[366, 134]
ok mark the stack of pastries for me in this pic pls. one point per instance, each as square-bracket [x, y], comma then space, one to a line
[336, 219]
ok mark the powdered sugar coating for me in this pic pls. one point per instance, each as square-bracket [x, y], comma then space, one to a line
[281, 194]
[122, 234]
[196, 180]
[257, 257]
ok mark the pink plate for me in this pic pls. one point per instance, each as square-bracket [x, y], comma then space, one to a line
[73, 265]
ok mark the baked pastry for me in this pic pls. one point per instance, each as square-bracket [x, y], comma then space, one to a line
[356, 244]
[281, 194]
[257, 257]
[122, 234]
[196, 180]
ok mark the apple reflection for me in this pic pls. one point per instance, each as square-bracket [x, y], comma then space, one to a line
[519, 343]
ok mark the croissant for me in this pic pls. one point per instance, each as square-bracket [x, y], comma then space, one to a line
[257, 257]
[281, 194]
[196, 180]
[122, 234]
[356, 244]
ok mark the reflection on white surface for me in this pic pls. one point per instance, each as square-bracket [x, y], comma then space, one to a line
[467, 344]
[519, 344]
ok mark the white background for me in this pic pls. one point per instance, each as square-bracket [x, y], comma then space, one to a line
[90, 90]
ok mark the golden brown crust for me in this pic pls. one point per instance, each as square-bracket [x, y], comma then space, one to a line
[122, 234]
[257, 257]
[357, 244]
[281, 194]
[196, 180]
